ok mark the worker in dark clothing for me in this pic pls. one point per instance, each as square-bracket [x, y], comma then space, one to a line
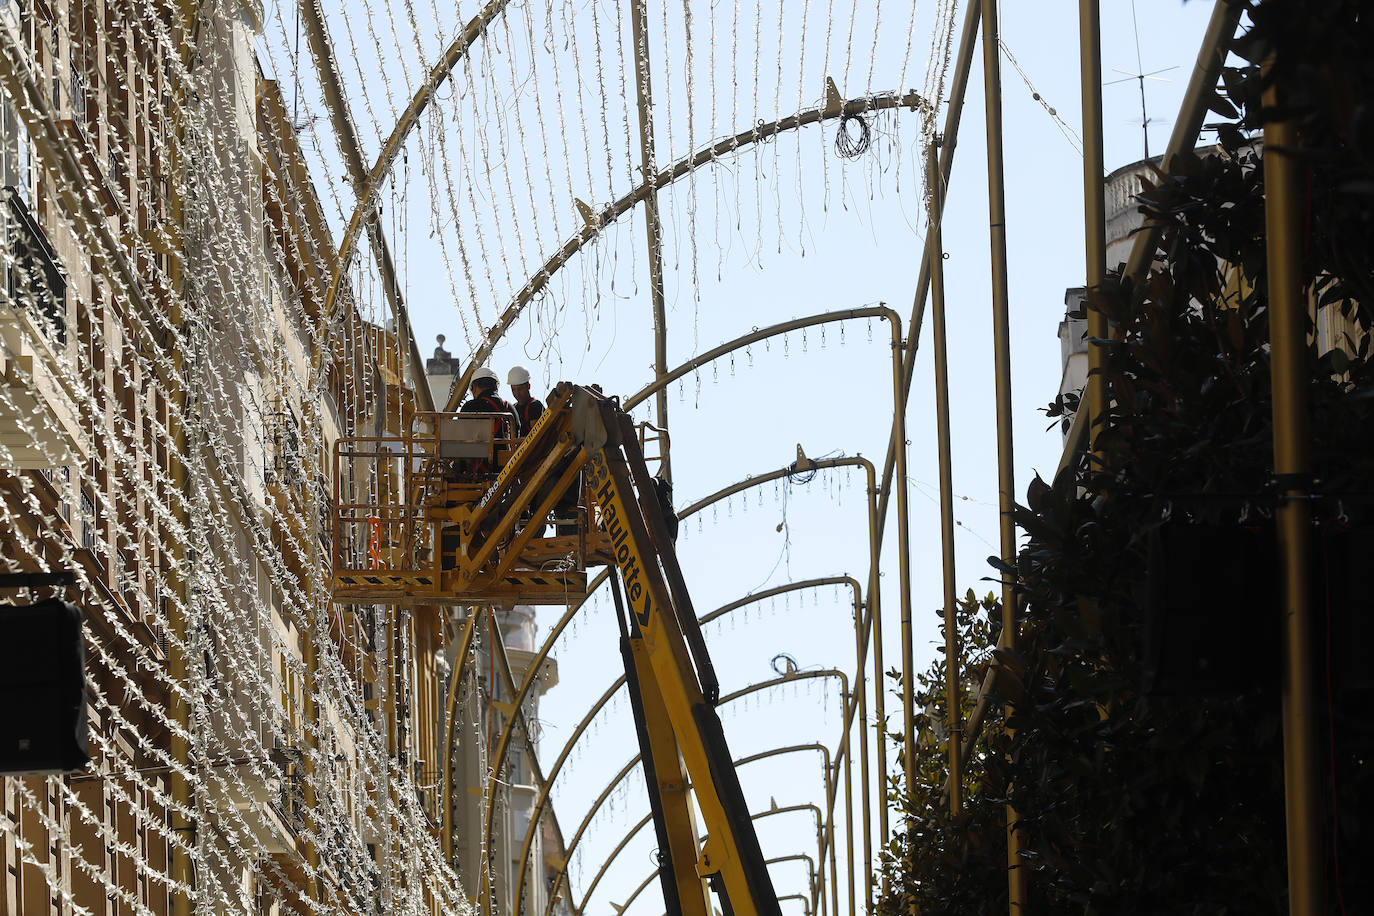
[467, 470]
[527, 409]
[485, 400]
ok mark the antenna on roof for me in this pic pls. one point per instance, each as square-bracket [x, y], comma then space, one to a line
[1140, 76]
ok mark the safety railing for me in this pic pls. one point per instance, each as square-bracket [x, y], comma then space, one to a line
[385, 487]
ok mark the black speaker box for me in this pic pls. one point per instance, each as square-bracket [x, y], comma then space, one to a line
[42, 689]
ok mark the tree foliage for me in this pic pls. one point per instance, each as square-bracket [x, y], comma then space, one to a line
[1134, 802]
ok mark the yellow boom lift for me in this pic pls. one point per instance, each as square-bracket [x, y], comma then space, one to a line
[463, 512]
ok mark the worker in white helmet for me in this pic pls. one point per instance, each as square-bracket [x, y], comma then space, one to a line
[485, 399]
[527, 409]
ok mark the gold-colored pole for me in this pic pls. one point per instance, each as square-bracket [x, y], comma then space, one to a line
[953, 712]
[1290, 373]
[861, 701]
[1001, 344]
[963, 64]
[845, 754]
[875, 619]
[1094, 205]
[903, 561]
[455, 684]
[1191, 113]
[639, 31]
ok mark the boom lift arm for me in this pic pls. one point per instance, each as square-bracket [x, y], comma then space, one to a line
[471, 527]
[677, 690]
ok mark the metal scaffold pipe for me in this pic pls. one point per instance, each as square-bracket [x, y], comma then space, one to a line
[1094, 204]
[953, 712]
[963, 63]
[1290, 372]
[1001, 343]
[639, 34]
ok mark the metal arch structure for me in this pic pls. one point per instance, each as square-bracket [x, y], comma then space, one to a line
[542, 799]
[842, 755]
[562, 877]
[754, 336]
[876, 518]
[834, 107]
[763, 755]
[798, 857]
[595, 806]
[877, 515]
[633, 831]
[856, 701]
[817, 891]
[367, 188]
[594, 222]
[758, 334]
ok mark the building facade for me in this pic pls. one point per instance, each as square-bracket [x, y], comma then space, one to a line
[172, 393]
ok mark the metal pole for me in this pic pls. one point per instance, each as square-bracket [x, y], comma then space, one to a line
[875, 619]
[1094, 205]
[450, 729]
[962, 65]
[860, 687]
[1211, 55]
[1289, 361]
[639, 27]
[1001, 343]
[847, 755]
[953, 710]
[903, 562]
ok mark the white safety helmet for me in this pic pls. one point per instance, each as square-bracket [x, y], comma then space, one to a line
[518, 375]
[486, 372]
